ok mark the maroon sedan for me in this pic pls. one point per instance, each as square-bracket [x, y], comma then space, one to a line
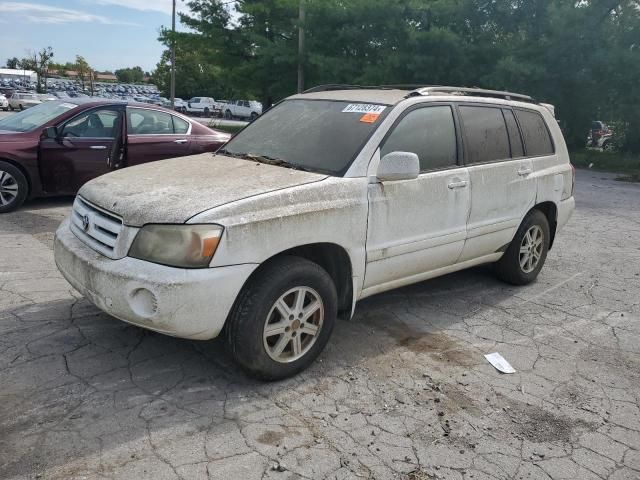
[55, 147]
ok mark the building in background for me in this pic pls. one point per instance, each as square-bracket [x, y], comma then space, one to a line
[15, 74]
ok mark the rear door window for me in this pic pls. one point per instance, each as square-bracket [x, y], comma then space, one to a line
[486, 136]
[149, 122]
[180, 126]
[430, 133]
[537, 140]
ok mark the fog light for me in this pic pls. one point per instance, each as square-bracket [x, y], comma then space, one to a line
[143, 302]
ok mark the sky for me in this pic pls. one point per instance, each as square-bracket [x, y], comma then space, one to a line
[110, 34]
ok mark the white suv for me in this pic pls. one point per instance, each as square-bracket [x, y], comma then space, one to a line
[328, 198]
[206, 106]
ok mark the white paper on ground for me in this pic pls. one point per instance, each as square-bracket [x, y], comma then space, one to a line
[499, 363]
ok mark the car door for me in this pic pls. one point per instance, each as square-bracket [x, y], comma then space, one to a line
[86, 147]
[154, 135]
[503, 188]
[417, 226]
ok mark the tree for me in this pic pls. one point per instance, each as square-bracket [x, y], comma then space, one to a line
[39, 62]
[130, 75]
[13, 63]
[84, 71]
[583, 56]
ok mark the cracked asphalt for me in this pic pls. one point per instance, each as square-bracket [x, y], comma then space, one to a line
[403, 390]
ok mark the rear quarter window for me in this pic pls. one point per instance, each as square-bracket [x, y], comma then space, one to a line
[537, 140]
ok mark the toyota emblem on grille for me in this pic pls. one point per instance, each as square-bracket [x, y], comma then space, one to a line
[85, 223]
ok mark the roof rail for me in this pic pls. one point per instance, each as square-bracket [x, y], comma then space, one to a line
[476, 92]
[337, 86]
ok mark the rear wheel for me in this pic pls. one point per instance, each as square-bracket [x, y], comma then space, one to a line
[527, 253]
[206, 112]
[228, 115]
[21, 107]
[282, 319]
[13, 187]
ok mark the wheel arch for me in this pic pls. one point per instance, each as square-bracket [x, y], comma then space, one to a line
[331, 257]
[550, 210]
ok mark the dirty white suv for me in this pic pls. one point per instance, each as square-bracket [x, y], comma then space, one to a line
[328, 198]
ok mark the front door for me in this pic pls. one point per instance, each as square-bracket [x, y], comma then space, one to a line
[418, 226]
[155, 135]
[86, 147]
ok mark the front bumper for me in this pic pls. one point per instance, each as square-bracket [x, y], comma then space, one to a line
[179, 302]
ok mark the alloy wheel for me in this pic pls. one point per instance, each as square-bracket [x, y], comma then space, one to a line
[293, 324]
[531, 249]
[8, 188]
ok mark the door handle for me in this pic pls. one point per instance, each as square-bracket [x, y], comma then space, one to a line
[98, 147]
[181, 141]
[523, 172]
[461, 184]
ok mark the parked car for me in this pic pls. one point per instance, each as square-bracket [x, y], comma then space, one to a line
[284, 230]
[22, 100]
[46, 97]
[600, 136]
[4, 103]
[206, 106]
[55, 147]
[245, 109]
[180, 105]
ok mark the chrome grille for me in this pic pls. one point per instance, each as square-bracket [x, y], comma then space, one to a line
[96, 227]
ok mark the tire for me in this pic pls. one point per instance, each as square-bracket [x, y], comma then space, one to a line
[253, 116]
[283, 280]
[21, 107]
[14, 187]
[11, 107]
[228, 115]
[515, 267]
[608, 146]
[206, 112]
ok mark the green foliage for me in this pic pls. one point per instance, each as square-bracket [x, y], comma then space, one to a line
[583, 56]
[130, 75]
[626, 163]
[13, 63]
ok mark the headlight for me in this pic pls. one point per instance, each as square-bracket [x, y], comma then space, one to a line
[185, 246]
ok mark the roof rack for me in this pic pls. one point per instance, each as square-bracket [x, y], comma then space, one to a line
[476, 92]
[415, 90]
[337, 86]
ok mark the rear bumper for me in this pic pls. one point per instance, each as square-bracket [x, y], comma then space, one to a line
[178, 302]
[565, 210]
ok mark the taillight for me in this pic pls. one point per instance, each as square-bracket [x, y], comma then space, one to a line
[573, 178]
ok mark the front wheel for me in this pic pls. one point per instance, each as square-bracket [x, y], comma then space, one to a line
[228, 115]
[527, 252]
[13, 187]
[253, 116]
[282, 319]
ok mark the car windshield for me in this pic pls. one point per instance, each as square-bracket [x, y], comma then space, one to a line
[317, 135]
[35, 117]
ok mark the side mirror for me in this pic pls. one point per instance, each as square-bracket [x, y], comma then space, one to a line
[49, 133]
[397, 166]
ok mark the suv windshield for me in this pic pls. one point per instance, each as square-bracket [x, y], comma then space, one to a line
[317, 135]
[35, 117]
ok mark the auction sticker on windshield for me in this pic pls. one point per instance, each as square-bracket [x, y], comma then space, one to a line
[364, 108]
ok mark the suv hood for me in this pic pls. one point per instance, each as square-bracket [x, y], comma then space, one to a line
[173, 191]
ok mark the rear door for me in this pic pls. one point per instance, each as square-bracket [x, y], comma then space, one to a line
[417, 226]
[503, 187]
[154, 135]
[83, 150]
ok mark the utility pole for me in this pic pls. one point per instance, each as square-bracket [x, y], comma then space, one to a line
[301, 20]
[173, 55]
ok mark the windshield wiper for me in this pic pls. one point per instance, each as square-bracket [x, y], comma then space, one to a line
[264, 159]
